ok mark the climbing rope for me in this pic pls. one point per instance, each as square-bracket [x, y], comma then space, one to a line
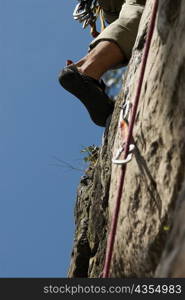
[111, 238]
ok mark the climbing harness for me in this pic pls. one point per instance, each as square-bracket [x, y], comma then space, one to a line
[123, 126]
[87, 12]
[112, 234]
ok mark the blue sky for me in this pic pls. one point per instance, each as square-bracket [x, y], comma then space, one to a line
[39, 120]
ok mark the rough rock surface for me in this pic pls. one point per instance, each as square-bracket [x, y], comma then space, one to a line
[150, 238]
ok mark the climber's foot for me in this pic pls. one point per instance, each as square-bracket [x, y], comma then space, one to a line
[90, 91]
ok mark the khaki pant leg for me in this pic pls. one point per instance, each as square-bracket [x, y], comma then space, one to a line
[123, 31]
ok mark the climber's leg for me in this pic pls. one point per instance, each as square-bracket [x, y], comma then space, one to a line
[123, 30]
[103, 57]
[112, 48]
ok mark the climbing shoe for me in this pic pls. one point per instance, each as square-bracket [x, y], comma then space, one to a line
[89, 91]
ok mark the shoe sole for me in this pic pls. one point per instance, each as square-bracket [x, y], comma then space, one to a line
[89, 93]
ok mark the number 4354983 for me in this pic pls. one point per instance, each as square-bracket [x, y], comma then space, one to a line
[158, 289]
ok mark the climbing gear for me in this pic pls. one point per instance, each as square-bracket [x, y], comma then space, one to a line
[84, 12]
[123, 126]
[118, 161]
[87, 12]
[112, 234]
[90, 91]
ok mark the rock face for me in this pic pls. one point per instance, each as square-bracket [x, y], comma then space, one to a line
[150, 239]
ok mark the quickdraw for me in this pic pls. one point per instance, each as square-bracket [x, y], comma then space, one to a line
[123, 126]
[87, 12]
[84, 12]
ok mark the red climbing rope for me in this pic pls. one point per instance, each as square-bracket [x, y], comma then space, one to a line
[111, 238]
